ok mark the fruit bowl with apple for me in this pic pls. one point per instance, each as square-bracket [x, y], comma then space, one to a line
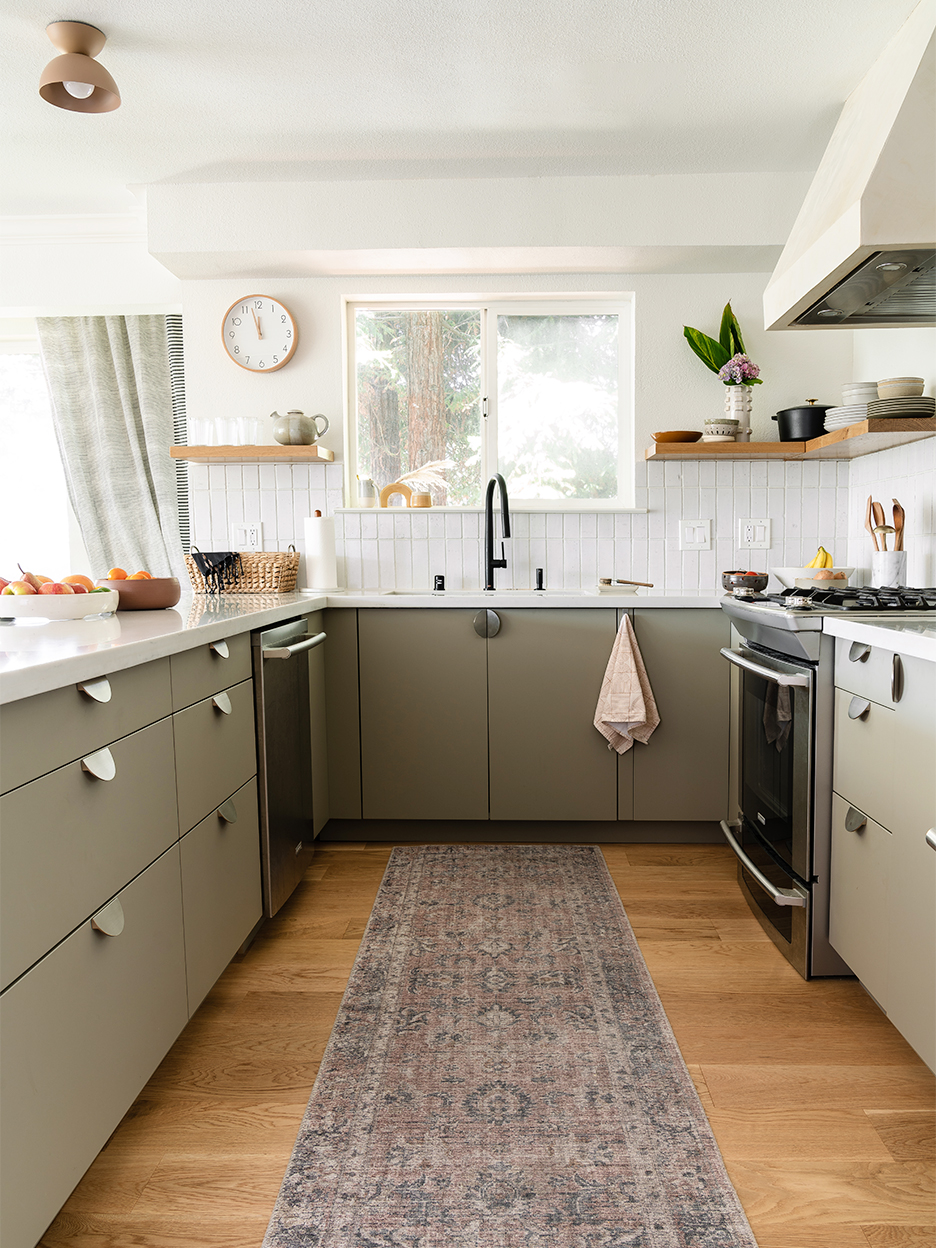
[17, 604]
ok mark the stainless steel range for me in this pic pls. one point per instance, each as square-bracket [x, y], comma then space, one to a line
[782, 839]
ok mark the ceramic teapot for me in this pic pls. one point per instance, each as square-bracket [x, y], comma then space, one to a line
[297, 429]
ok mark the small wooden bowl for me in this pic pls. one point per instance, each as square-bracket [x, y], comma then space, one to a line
[152, 595]
[677, 435]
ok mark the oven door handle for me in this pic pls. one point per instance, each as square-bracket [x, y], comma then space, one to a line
[780, 896]
[775, 678]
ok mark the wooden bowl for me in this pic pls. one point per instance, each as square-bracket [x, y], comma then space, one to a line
[152, 595]
[677, 435]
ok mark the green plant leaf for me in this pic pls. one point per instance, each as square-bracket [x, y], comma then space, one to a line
[729, 335]
[712, 354]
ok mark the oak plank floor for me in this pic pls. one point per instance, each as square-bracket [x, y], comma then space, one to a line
[823, 1113]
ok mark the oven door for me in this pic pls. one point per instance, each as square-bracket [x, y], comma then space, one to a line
[776, 745]
[780, 903]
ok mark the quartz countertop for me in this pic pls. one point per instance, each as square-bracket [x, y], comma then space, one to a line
[914, 638]
[38, 656]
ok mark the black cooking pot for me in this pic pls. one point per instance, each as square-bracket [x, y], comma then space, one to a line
[799, 424]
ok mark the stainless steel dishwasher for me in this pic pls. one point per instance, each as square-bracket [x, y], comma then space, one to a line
[284, 756]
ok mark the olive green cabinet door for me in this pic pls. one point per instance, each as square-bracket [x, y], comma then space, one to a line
[547, 759]
[682, 771]
[423, 715]
[342, 715]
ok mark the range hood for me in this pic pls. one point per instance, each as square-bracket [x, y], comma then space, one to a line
[862, 252]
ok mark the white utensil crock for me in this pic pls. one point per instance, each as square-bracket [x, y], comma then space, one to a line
[888, 567]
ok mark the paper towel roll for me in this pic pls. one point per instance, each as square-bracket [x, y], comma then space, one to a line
[321, 562]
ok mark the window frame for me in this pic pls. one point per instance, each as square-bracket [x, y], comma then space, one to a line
[620, 303]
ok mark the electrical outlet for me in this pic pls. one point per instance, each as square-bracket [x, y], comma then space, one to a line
[248, 537]
[695, 535]
[753, 534]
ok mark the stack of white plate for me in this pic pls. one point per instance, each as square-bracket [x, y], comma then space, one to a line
[921, 406]
[859, 392]
[838, 417]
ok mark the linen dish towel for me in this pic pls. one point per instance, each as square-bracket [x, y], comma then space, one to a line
[626, 710]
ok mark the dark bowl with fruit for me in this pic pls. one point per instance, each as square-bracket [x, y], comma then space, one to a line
[751, 582]
[152, 594]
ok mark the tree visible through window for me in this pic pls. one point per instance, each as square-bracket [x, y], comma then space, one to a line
[460, 393]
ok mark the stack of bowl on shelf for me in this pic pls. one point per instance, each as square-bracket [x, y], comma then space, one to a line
[721, 430]
[892, 397]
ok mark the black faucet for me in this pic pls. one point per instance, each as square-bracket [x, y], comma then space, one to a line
[490, 563]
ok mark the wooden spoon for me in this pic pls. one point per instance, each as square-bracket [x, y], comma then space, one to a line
[869, 523]
[899, 517]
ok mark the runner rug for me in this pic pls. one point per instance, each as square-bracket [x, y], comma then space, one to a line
[502, 1075]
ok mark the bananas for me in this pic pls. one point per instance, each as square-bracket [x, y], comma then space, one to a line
[822, 560]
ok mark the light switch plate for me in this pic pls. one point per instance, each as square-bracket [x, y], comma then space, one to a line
[695, 535]
[753, 534]
[248, 536]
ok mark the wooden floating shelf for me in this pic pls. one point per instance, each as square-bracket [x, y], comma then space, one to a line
[254, 454]
[860, 439]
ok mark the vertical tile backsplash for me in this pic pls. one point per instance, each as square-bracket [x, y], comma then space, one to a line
[807, 503]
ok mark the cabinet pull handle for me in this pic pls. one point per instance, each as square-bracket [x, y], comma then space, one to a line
[100, 764]
[220, 648]
[296, 647]
[99, 690]
[487, 623]
[931, 838]
[109, 919]
[896, 678]
[227, 811]
[221, 702]
[779, 896]
[858, 708]
[854, 820]
[858, 652]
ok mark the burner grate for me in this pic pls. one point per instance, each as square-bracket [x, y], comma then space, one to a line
[885, 599]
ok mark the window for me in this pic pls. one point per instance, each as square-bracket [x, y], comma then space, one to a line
[538, 392]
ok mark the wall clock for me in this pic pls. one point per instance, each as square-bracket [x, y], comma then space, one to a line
[259, 334]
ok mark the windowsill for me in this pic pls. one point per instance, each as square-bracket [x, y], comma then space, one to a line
[575, 509]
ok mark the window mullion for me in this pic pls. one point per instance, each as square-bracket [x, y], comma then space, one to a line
[489, 391]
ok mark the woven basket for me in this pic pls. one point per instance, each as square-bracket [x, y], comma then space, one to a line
[264, 572]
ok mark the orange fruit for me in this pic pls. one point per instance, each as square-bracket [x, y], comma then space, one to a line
[116, 574]
[79, 579]
[141, 576]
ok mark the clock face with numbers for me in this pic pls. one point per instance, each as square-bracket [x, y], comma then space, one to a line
[259, 334]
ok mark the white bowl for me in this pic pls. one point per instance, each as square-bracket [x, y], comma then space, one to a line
[617, 589]
[790, 578]
[900, 388]
[56, 606]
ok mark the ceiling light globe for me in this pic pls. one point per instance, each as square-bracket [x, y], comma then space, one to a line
[79, 90]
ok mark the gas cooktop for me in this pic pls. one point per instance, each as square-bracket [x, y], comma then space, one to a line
[797, 610]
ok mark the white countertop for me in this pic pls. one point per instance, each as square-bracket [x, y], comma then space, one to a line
[914, 638]
[38, 656]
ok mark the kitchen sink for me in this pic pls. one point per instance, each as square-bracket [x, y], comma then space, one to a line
[483, 593]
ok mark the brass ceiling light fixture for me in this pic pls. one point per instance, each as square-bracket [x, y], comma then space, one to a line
[75, 80]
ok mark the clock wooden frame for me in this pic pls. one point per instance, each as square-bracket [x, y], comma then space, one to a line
[279, 306]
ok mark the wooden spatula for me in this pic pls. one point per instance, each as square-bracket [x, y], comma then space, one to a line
[899, 517]
[870, 523]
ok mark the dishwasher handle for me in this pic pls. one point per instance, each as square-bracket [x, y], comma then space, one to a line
[780, 896]
[775, 678]
[297, 647]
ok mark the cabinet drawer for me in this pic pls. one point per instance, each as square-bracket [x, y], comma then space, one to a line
[41, 733]
[202, 671]
[865, 670]
[81, 1034]
[863, 768]
[215, 752]
[220, 889]
[858, 905]
[70, 841]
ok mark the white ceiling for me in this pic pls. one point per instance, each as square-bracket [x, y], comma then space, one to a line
[421, 88]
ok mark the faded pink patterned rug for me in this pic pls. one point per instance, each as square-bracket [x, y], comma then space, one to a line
[502, 1075]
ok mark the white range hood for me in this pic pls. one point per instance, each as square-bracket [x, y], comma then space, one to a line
[862, 252]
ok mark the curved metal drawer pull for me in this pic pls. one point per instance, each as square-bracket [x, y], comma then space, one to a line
[109, 919]
[220, 648]
[227, 811]
[487, 623]
[854, 820]
[221, 702]
[858, 652]
[99, 690]
[781, 896]
[858, 708]
[931, 838]
[295, 647]
[100, 764]
[896, 678]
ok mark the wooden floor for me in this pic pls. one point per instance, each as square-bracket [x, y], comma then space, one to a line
[823, 1113]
